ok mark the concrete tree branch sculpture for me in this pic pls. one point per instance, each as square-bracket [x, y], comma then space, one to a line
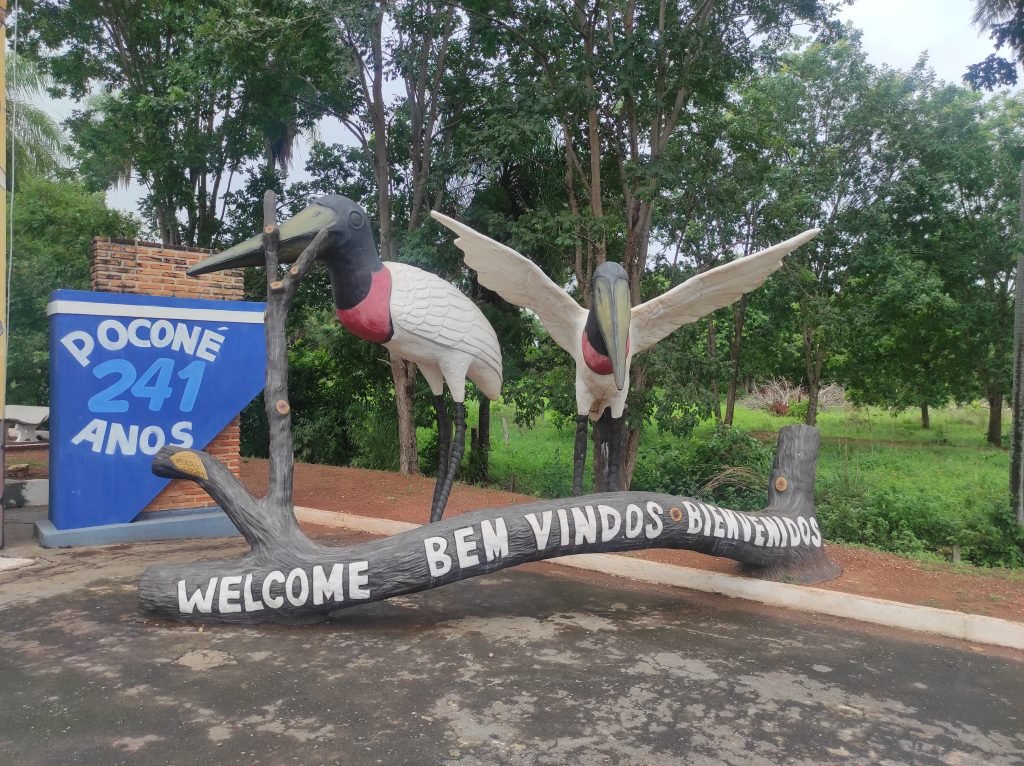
[286, 577]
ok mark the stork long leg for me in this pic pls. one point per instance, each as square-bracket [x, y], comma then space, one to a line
[602, 452]
[444, 444]
[454, 461]
[614, 453]
[579, 454]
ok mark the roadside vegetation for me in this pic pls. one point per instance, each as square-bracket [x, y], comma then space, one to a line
[668, 137]
[883, 481]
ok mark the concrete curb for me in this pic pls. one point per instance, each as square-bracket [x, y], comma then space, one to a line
[7, 563]
[975, 628]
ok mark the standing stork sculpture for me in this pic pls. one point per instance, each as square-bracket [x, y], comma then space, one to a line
[604, 339]
[414, 314]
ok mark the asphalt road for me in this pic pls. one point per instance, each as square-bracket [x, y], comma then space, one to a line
[529, 666]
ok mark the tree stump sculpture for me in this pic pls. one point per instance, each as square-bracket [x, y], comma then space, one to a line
[289, 578]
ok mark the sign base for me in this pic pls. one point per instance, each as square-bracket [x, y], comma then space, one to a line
[189, 523]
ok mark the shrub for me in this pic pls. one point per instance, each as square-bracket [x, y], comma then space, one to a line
[903, 521]
[776, 396]
[731, 468]
[373, 431]
[798, 410]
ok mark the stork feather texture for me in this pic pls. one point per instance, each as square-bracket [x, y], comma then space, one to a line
[416, 315]
[604, 340]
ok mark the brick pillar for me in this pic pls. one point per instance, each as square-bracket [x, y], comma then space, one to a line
[148, 268]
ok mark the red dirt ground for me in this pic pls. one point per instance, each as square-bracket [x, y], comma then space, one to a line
[997, 593]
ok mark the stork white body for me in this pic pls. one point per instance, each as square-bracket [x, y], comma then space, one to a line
[443, 332]
[521, 282]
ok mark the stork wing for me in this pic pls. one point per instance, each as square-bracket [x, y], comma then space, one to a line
[707, 292]
[426, 307]
[519, 281]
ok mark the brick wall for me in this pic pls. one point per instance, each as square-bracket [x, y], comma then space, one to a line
[130, 266]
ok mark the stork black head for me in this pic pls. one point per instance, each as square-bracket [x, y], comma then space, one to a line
[349, 251]
[610, 317]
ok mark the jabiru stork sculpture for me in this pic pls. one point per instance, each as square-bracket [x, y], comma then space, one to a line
[414, 314]
[604, 340]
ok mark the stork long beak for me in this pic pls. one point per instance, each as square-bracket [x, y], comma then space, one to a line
[612, 311]
[297, 232]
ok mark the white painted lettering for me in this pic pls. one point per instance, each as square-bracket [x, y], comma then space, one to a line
[815, 533]
[634, 521]
[297, 575]
[718, 530]
[793, 529]
[585, 523]
[541, 528]
[209, 346]
[495, 539]
[328, 586]
[805, 530]
[251, 604]
[563, 527]
[162, 333]
[732, 526]
[229, 594]
[133, 333]
[274, 602]
[119, 441]
[611, 522]
[120, 335]
[185, 338]
[694, 523]
[198, 601]
[745, 524]
[151, 440]
[654, 529]
[758, 531]
[93, 434]
[358, 579]
[464, 548]
[180, 431]
[79, 352]
[439, 562]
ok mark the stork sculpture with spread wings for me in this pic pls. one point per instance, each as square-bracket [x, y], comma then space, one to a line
[416, 315]
[604, 339]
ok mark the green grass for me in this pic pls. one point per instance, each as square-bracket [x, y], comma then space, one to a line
[883, 481]
[534, 461]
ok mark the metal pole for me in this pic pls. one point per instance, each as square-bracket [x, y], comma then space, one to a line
[3, 257]
[1017, 392]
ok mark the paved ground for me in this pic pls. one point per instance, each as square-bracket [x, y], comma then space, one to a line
[528, 666]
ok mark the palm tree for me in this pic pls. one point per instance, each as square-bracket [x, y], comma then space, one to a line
[36, 144]
[989, 13]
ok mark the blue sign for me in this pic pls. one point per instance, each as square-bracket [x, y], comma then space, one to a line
[130, 374]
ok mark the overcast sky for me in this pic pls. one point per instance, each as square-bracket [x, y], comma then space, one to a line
[896, 32]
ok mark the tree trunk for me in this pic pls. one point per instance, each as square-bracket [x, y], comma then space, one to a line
[288, 578]
[739, 315]
[404, 375]
[638, 383]
[483, 445]
[814, 360]
[926, 422]
[713, 356]
[995, 418]
[812, 402]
